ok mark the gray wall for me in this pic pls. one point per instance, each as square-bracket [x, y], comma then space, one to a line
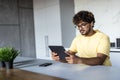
[17, 26]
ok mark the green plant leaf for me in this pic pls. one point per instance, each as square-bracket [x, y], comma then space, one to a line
[8, 53]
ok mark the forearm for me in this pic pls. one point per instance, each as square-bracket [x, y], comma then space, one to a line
[73, 59]
[91, 61]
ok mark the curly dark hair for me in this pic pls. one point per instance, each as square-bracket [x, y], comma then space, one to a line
[83, 15]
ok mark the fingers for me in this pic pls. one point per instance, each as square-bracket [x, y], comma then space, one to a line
[70, 59]
[55, 56]
[69, 52]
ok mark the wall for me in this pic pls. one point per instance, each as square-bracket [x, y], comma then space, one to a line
[9, 24]
[17, 26]
[107, 15]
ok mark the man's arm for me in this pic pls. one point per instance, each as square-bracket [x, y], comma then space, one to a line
[99, 60]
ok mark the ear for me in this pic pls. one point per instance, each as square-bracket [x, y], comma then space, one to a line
[92, 24]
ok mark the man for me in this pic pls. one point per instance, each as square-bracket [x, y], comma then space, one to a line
[91, 47]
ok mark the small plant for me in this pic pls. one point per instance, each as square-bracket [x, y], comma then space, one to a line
[8, 54]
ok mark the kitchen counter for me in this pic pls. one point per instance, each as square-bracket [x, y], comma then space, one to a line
[69, 71]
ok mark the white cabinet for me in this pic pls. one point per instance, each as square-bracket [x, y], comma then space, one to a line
[50, 27]
[115, 58]
[47, 26]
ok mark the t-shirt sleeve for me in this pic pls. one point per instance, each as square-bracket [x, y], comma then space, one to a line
[104, 45]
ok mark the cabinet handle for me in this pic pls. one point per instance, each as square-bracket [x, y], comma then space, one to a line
[46, 46]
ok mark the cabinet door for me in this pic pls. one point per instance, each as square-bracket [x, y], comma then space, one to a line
[47, 26]
[115, 58]
[42, 49]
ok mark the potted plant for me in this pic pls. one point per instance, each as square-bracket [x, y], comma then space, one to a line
[7, 56]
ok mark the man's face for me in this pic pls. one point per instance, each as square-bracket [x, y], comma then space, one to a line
[84, 28]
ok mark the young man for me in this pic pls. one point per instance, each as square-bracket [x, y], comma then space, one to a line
[92, 46]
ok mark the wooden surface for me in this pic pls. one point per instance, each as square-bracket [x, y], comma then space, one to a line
[17, 74]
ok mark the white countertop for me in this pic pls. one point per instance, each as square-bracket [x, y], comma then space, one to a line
[72, 71]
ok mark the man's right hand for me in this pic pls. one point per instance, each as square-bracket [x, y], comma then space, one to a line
[55, 56]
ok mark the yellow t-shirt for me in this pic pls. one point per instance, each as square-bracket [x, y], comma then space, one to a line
[88, 47]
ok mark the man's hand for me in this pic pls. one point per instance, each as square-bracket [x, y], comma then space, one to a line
[55, 56]
[72, 59]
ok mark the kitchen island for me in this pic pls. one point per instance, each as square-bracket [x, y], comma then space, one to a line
[67, 71]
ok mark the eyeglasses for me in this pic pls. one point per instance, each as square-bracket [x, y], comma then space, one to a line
[83, 25]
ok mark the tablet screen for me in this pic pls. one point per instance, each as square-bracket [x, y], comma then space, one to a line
[60, 50]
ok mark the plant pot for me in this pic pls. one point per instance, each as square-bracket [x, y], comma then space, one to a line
[9, 65]
[2, 64]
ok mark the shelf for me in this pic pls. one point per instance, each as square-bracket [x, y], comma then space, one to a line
[114, 50]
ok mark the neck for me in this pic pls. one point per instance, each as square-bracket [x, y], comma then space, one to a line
[92, 32]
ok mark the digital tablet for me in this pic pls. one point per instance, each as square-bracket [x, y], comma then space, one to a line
[60, 50]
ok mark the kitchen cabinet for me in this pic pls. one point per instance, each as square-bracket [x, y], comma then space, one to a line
[53, 25]
[115, 58]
